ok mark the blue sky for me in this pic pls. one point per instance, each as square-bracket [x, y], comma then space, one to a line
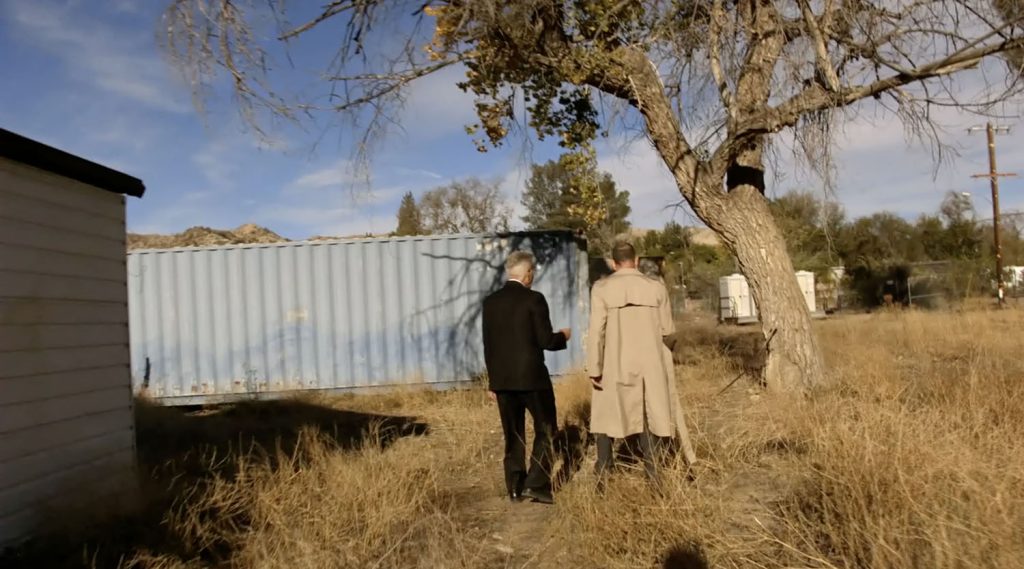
[88, 77]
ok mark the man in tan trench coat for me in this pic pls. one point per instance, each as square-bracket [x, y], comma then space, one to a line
[630, 364]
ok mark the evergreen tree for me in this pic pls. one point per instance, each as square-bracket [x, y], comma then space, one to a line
[570, 193]
[409, 219]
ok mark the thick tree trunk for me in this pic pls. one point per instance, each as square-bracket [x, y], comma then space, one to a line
[794, 360]
[740, 215]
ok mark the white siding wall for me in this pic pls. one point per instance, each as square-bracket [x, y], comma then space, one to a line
[66, 425]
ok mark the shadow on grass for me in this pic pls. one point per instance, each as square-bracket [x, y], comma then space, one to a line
[179, 449]
[686, 556]
[571, 446]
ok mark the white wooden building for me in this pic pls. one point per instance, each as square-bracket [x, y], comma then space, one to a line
[67, 441]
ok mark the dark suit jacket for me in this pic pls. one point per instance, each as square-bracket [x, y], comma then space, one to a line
[517, 330]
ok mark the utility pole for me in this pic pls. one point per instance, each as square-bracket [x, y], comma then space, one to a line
[993, 176]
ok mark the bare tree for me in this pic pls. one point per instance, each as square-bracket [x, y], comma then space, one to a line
[709, 81]
[468, 206]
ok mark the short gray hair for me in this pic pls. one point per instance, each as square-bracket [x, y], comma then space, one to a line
[514, 265]
[650, 268]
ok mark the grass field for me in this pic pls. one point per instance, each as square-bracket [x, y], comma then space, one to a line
[913, 456]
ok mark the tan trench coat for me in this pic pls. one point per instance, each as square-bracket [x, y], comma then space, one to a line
[629, 315]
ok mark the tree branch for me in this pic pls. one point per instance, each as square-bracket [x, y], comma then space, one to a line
[391, 82]
[765, 41]
[329, 11]
[828, 73]
[814, 98]
[715, 56]
[630, 74]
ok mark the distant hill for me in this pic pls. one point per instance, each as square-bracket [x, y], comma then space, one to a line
[704, 236]
[200, 236]
[204, 237]
[698, 235]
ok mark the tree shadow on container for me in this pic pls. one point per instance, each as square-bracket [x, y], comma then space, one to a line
[182, 449]
[484, 273]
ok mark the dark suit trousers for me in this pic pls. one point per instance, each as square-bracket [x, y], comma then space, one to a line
[650, 448]
[513, 405]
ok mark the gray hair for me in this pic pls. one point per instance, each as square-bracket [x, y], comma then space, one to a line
[518, 263]
[650, 268]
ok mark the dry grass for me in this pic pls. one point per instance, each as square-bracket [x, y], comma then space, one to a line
[913, 457]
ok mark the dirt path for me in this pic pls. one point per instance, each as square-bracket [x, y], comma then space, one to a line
[516, 533]
[520, 535]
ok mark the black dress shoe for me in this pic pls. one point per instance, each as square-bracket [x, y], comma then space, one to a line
[515, 496]
[538, 495]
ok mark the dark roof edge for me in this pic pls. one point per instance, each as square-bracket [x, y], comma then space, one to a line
[27, 151]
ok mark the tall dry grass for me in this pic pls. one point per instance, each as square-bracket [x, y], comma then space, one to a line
[912, 457]
[917, 454]
[320, 504]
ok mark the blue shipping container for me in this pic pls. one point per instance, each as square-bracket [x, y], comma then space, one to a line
[236, 322]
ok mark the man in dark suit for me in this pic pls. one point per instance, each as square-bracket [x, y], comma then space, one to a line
[517, 329]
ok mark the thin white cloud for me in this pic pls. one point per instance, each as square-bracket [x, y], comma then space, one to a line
[329, 200]
[878, 168]
[227, 150]
[420, 173]
[125, 6]
[306, 214]
[116, 61]
[337, 175]
[219, 160]
[638, 169]
[436, 107]
[354, 226]
[196, 210]
[512, 186]
[331, 215]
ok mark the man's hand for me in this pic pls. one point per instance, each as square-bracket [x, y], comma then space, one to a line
[595, 382]
[567, 332]
[492, 396]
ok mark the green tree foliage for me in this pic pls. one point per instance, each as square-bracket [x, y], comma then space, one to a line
[693, 267]
[878, 240]
[571, 193]
[409, 222]
[811, 227]
[961, 238]
[948, 251]
[672, 242]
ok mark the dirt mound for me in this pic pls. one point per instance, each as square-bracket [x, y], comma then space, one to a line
[205, 237]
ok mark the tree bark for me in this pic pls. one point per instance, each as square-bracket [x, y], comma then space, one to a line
[740, 216]
[793, 360]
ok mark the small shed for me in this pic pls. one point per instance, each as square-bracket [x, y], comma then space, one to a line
[1014, 277]
[67, 440]
[736, 303]
[806, 281]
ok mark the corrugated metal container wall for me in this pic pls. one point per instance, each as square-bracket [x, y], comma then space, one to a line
[223, 323]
